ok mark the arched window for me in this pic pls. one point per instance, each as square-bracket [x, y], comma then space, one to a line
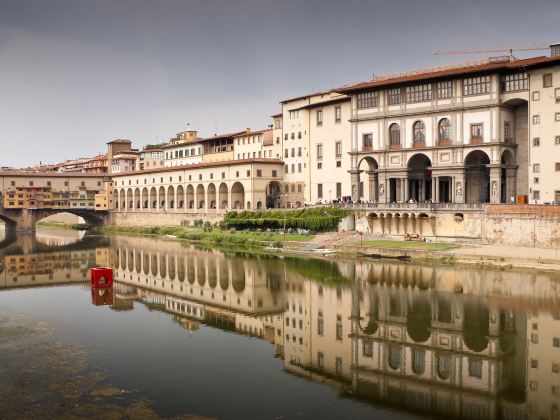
[444, 366]
[287, 189]
[394, 357]
[419, 130]
[394, 135]
[418, 361]
[293, 188]
[444, 131]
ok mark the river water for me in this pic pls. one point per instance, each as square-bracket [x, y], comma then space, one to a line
[195, 332]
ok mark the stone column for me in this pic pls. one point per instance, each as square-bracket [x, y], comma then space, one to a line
[382, 188]
[434, 192]
[511, 182]
[406, 195]
[355, 182]
[436, 185]
[495, 182]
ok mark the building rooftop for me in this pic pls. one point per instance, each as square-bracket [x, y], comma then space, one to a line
[451, 71]
[222, 136]
[126, 141]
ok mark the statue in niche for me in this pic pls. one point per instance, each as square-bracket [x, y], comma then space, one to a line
[494, 188]
[381, 190]
[458, 189]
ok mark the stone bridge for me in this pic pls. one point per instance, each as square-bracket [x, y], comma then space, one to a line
[25, 219]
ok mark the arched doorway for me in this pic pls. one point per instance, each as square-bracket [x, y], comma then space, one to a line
[190, 197]
[223, 196]
[170, 197]
[273, 194]
[180, 204]
[237, 195]
[212, 196]
[477, 177]
[200, 196]
[368, 189]
[419, 170]
[145, 198]
[161, 197]
[153, 198]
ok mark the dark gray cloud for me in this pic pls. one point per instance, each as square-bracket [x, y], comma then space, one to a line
[77, 73]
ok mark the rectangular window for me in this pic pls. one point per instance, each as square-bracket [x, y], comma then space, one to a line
[367, 348]
[319, 151]
[274, 174]
[338, 163]
[367, 142]
[319, 117]
[547, 80]
[293, 168]
[319, 165]
[319, 190]
[536, 141]
[444, 89]
[557, 116]
[286, 152]
[259, 173]
[299, 151]
[338, 148]
[394, 96]
[515, 82]
[557, 196]
[419, 93]
[536, 119]
[285, 169]
[475, 368]
[536, 95]
[476, 133]
[299, 135]
[338, 366]
[507, 132]
[339, 189]
[476, 85]
[557, 166]
[368, 100]
[337, 114]
[535, 180]
[286, 136]
[536, 196]
[536, 167]
[293, 152]
[557, 140]
[294, 114]
[299, 167]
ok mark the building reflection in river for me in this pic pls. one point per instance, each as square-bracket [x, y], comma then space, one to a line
[391, 335]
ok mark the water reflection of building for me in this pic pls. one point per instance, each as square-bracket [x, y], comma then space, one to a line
[49, 268]
[384, 333]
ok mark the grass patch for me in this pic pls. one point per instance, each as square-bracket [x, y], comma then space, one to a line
[216, 236]
[388, 243]
[62, 225]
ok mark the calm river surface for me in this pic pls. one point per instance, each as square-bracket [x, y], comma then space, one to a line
[193, 332]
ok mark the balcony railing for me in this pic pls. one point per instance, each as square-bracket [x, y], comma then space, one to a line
[412, 206]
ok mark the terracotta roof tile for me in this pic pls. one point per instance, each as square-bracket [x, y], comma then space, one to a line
[453, 71]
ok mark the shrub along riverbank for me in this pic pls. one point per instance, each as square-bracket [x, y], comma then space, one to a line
[321, 219]
[212, 235]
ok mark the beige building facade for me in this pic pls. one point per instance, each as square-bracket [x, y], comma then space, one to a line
[456, 135]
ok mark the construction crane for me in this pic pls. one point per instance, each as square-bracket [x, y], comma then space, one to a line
[499, 48]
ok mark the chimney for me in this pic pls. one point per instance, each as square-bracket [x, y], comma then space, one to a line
[555, 49]
[248, 129]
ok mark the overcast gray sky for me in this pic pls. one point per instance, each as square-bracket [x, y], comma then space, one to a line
[75, 74]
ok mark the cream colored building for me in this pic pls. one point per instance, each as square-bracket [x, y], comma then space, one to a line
[205, 188]
[184, 149]
[329, 147]
[544, 134]
[454, 134]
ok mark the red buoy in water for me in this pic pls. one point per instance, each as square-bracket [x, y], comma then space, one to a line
[101, 277]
